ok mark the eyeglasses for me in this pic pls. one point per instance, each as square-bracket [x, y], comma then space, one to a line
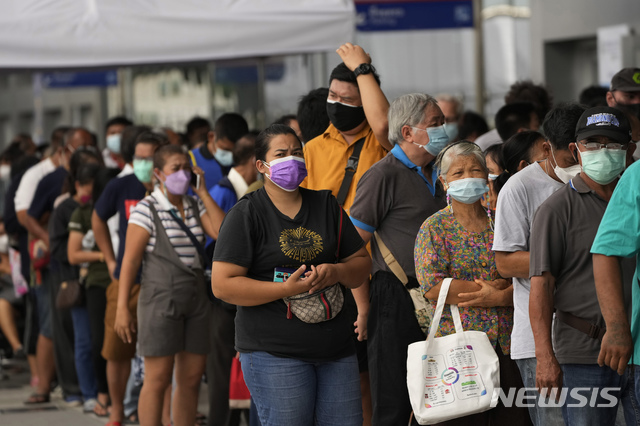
[596, 146]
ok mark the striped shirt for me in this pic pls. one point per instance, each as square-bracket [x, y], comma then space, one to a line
[142, 216]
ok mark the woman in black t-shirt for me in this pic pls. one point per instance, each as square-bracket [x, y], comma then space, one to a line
[298, 372]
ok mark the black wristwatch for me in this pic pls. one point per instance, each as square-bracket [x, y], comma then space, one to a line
[364, 69]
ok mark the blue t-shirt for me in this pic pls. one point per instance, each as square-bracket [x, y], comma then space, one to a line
[619, 235]
[213, 171]
[49, 188]
[224, 196]
[120, 196]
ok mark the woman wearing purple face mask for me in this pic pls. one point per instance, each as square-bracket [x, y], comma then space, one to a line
[173, 310]
[298, 371]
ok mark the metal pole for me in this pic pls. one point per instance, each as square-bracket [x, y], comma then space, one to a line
[261, 115]
[479, 56]
[38, 109]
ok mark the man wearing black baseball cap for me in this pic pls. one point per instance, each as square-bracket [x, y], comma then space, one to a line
[562, 274]
[625, 88]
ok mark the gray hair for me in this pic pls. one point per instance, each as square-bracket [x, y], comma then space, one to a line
[407, 110]
[445, 97]
[457, 149]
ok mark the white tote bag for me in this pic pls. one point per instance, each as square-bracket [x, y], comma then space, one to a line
[452, 376]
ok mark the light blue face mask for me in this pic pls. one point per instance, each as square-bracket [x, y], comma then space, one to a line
[604, 165]
[224, 157]
[113, 143]
[438, 139]
[452, 130]
[468, 190]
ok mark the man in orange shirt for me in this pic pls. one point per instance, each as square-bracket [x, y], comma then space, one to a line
[357, 136]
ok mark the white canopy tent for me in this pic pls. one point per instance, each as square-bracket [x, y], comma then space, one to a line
[52, 34]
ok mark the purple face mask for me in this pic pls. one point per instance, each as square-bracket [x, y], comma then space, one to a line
[287, 173]
[178, 183]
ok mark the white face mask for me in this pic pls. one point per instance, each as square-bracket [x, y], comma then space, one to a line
[492, 176]
[5, 172]
[565, 174]
[4, 244]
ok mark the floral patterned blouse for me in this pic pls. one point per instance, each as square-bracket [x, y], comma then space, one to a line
[444, 249]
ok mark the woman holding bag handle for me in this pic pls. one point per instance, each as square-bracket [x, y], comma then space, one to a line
[456, 243]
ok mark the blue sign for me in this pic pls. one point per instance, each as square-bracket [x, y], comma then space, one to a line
[413, 15]
[56, 80]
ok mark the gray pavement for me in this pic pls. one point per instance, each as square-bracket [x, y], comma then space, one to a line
[15, 389]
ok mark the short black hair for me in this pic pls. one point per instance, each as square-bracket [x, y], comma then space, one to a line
[81, 157]
[152, 138]
[527, 91]
[164, 152]
[286, 119]
[559, 126]
[263, 140]
[231, 126]
[118, 120]
[342, 73]
[514, 150]
[495, 153]
[470, 123]
[197, 123]
[312, 113]
[512, 117]
[128, 141]
[593, 96]
[245, 148]
[87, 172]
[57, 137]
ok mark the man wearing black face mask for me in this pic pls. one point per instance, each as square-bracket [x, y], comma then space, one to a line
[625, 95]
[356, 139]
[625, 88]
[357, 135]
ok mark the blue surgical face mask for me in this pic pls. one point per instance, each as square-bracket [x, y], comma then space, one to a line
[492, 176]
[113, 143]
[224, 157]
[438, 139]
[468, 190]
[604, 165]
[452, 130]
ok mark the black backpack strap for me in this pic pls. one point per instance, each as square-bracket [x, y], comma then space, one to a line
[350, 170]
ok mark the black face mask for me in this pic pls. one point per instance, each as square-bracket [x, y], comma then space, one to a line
[631, 108]
[344, 117]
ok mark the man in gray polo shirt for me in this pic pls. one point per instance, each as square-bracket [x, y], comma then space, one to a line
[517, 203]
[561, 271]
[394, 198]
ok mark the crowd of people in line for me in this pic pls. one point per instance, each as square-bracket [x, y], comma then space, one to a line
[314, 251]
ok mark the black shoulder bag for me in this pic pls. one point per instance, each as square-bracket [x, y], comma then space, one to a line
[350, 170]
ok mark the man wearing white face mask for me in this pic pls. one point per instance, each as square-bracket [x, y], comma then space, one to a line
[562, 275]
[216, 156]
[518, 201]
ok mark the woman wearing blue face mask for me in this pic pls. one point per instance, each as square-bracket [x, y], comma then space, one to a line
[456, 243]
[282, 242]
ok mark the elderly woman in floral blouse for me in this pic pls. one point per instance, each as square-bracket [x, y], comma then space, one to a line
[456, 243]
